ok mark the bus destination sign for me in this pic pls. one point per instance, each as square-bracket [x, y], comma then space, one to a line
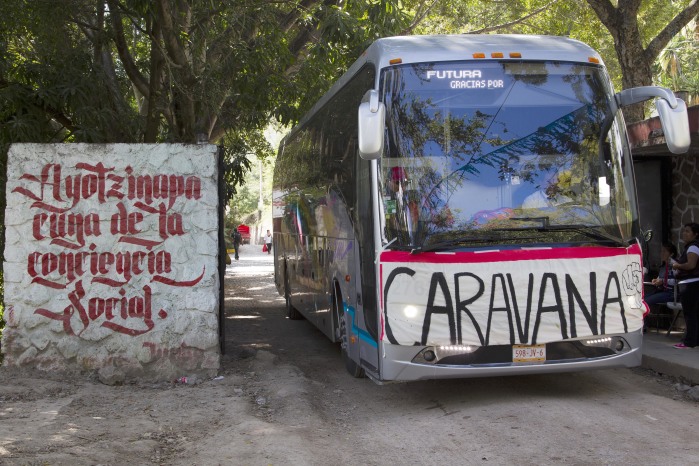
[465, 79]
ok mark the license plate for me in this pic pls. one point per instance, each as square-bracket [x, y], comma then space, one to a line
[528, 353]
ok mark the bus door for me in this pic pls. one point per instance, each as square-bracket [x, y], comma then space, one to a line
[322, 312]
[367, 313]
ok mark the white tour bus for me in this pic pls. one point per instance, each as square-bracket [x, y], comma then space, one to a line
[460, 206]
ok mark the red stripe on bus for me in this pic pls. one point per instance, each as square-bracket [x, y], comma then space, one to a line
[507, 255]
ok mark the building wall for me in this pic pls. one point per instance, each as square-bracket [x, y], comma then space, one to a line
[111, 260]
[685, 189]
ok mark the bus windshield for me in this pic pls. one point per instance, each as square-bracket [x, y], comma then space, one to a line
[513, 153]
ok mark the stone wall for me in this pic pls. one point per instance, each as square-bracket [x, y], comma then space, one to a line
[111, 260]
[685, 189]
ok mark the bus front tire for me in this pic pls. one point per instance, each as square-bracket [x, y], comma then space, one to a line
[352, 367]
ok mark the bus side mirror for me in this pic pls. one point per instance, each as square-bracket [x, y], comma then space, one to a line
[672, 112]
[371, 116]
[675, 125]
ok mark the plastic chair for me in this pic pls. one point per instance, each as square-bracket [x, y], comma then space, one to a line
[659, 320]
[675, 306]
[657, 316]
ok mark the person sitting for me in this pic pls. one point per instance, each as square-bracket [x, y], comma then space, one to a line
[663, 291]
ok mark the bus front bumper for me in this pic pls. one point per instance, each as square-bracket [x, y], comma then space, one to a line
[408, 363]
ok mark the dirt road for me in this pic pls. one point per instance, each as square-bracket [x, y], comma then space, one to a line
[284, 398]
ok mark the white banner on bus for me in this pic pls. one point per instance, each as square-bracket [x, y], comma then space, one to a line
[510, 297]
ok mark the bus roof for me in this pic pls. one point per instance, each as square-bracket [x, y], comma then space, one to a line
[440, 48]
[419, 49]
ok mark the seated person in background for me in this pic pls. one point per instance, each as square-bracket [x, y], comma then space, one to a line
[663, 292]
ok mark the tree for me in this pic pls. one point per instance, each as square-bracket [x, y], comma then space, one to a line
[112, 71]
[677, 64]
[635, 51]
[175, 70]
[638, 30]
[573, 19]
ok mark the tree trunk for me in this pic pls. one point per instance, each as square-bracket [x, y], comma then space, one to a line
[635, 66]
[154, 86]
[622, 24]
[635, 60]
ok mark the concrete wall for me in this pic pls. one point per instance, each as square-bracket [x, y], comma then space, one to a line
[112, 260]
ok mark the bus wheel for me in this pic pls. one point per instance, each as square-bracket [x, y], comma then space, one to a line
[291, 312]
[352, 367]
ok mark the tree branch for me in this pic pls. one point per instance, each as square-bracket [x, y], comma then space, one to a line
[156, 67]
[419, 17]
[39, 103]
[123, 50]
[605, 11]
[512, 23]
[309, 34]
[659, 42]
[172, 44]
[628, 8]
[291, 18]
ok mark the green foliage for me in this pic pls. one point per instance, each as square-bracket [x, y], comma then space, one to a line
[244, 206]
[676, 67]
[256, 183]
[575, 19]
[238, 148]
[51, 88]
[175, 71]
[130, 71]
[545, 17]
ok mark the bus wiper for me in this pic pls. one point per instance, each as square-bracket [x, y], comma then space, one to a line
[397, 247]
[590, 232]
[456, 242]
[543, 219]
[583, 229]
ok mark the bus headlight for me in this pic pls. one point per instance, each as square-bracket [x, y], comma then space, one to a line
[434, 354]
[451, 350]
[410, 311]
[617, 344]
